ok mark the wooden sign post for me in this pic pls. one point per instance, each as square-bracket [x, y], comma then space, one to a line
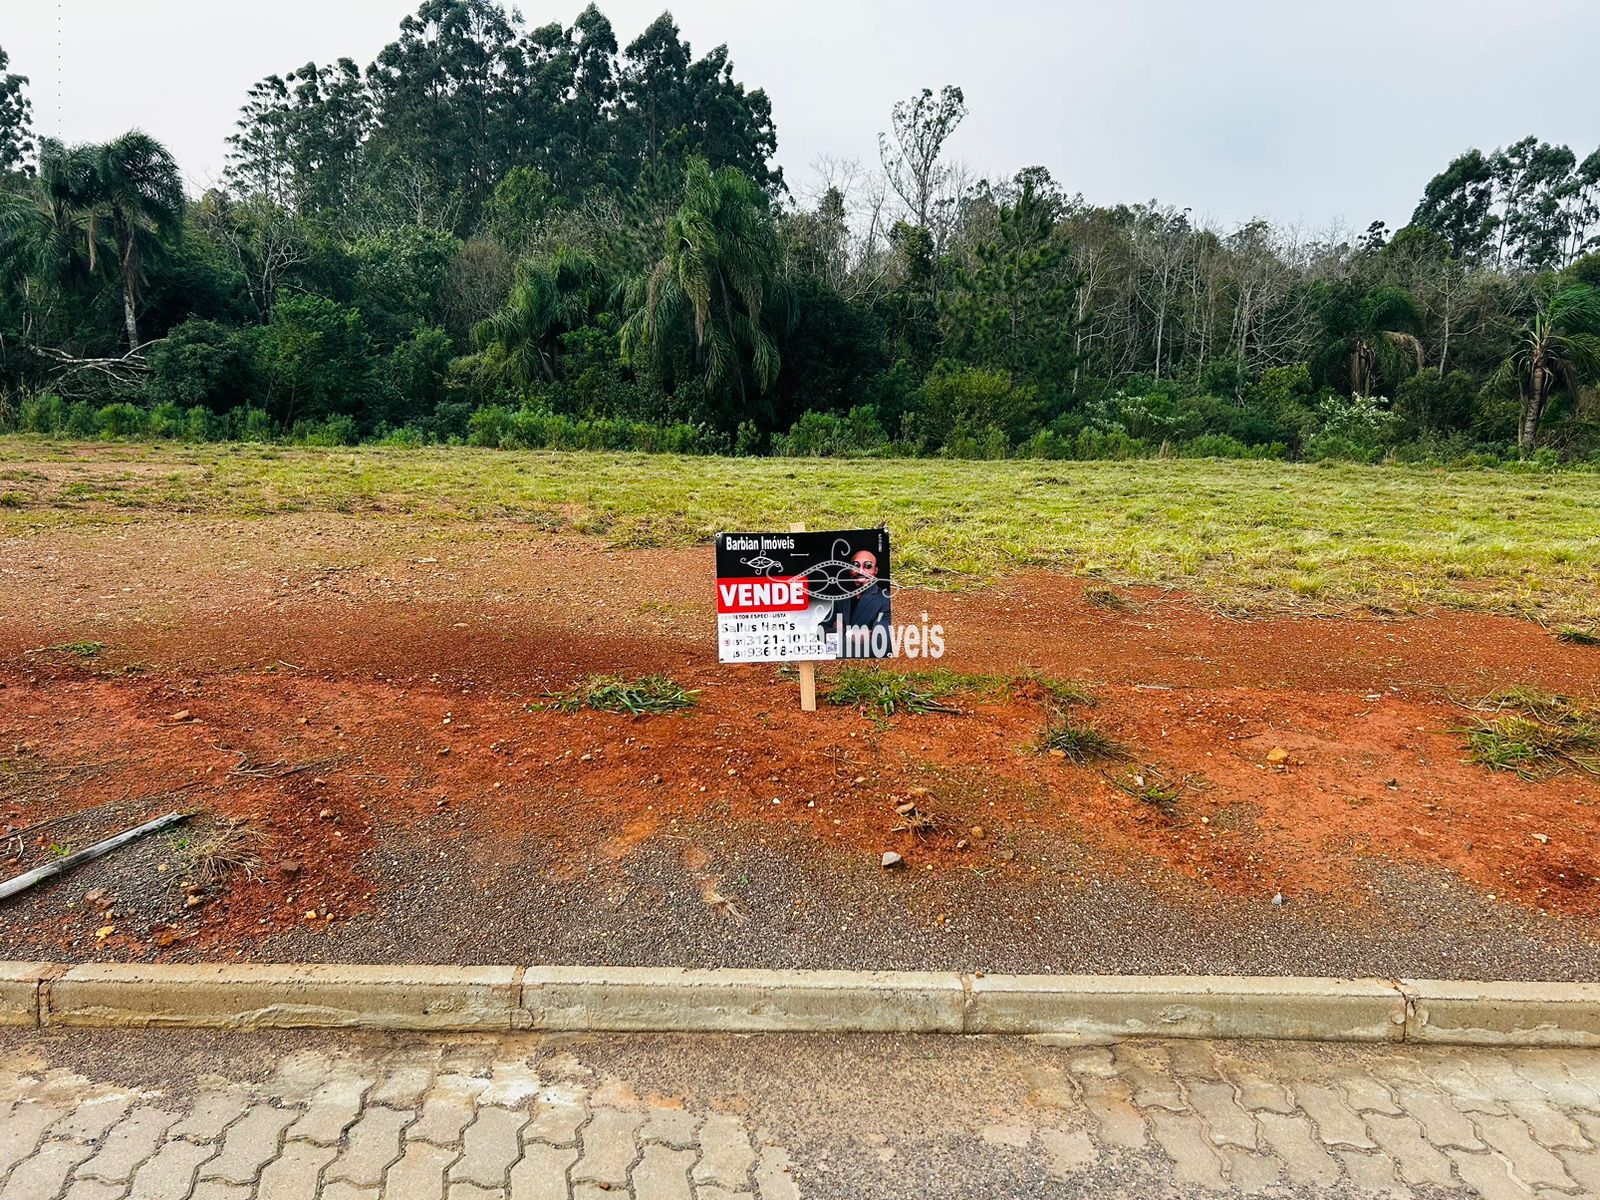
[808, 668]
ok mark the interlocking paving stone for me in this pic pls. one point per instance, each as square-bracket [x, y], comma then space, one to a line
[1530, 1163]
[170, 1173]
[663, 1174]
[43, 1172]
[608, 1147]
[1145, 1067]
[673, 1126]
[343, 1189]
[1549, 1126]
[296, 1173]
[1584, 1169]
[489, 1146]
[448, 1109]
[1487, 1175]
[420, 1172]
[1337, 1124]
[21, 1129]
[1370, 1170]
[1499, 1124]
[1070, 1150]
[1365, 1094]
[1248, 1171]
[557, 1118]
[213, 1112]
[93, 1115]
[726, 1156]
[371, 1145]
[541, 1173]
[1402, 1138]
[1292, 1138]
[1184, 1139]
[131, 1140]
[330, 1110]
[403, 1086]
[94, 1189]
[1110, 1101]
[216, 1189]
[250, 1144]
[1226, 1122]
[1256, 1091]
[774, 1180]
[1444, 1123]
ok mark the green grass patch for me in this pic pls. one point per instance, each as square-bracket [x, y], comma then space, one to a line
[77, 649]
[1154, 785]
[1243, 535]
[1079, 741]
[889, 693]
[632, 697]
[1535, 734]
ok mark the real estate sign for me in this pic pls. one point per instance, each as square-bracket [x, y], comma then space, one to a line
[798, 597]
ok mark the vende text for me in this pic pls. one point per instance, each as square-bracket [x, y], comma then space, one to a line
[761, 595]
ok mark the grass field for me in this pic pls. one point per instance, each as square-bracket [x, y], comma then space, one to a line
[1241, 534]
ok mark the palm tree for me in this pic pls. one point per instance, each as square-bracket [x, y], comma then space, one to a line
[716, 282]
[1557, 349]
[1372, 334]
[137, 198]
[520, 341]
[44, 229]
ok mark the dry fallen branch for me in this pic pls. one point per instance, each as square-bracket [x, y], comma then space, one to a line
[23, 882]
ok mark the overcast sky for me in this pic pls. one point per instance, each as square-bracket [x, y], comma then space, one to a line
[1309, 113]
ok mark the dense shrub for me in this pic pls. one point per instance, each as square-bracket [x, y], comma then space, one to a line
[855, 434]
[541, 429]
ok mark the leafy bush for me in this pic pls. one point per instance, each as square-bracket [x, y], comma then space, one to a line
[1354, 428]
[201, 362]
[339, 430]
[120, 420]
[43, 413]
[167, 420]
[856, 434]
[537, 428]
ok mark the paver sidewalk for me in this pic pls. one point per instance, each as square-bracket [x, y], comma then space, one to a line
[179, 1115]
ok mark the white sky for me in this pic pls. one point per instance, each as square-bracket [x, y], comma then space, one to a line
[1309, 113]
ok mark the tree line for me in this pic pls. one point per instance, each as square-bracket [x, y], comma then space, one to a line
[519, 236]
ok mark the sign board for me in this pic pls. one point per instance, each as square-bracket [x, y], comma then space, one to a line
[802, 596]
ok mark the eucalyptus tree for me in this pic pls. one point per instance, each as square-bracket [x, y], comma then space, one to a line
[16, 110]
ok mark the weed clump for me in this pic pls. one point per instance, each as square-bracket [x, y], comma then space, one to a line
[631, 697]
[887, 693]
[1535, 734]
[212, 857]
[1079, 741]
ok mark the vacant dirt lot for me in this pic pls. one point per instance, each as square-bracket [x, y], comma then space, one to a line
[358, 697]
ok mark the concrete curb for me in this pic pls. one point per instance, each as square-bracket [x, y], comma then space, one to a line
[670, 999]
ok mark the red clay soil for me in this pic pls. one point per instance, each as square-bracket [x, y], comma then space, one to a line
[333, 683]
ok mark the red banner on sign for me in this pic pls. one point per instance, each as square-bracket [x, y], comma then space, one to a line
[787, 594]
